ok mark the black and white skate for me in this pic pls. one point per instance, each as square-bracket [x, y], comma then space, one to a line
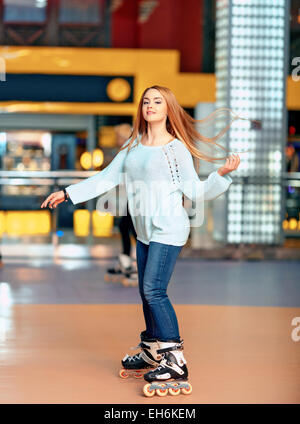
[140, 363]
[169, 377]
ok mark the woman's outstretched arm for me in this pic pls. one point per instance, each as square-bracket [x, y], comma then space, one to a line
[93, 186]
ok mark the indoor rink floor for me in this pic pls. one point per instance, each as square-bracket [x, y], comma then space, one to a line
[64, 331]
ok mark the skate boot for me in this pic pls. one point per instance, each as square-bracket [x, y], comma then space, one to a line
[171, 375]
[121, 270]
[140, 363]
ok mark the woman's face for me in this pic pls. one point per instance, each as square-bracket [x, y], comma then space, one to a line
[154, 106]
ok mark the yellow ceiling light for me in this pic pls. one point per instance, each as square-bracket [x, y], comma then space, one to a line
[98, 158]
[86, 160]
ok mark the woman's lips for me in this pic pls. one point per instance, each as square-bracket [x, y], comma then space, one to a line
[150, 113]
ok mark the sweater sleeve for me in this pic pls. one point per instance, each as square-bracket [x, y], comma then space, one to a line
[101, 182]
[191, 185]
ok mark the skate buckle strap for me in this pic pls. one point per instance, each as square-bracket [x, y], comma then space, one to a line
[178, 346]
[147, 359]
[165, 364]
[176, 368]
[142, 345]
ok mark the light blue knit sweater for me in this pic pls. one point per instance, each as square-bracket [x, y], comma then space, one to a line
[155, 178]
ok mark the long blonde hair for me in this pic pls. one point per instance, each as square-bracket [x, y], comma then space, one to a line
[182, 126]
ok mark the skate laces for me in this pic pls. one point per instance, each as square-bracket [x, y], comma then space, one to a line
[134, 357]
[137, 355]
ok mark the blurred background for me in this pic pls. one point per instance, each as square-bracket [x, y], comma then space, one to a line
[72, 73]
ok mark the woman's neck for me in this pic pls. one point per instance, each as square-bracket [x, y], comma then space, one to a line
[157, 139]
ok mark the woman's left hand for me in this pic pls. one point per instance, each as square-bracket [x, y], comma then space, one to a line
[231, 164]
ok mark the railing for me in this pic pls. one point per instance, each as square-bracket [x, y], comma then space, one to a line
[52, 179]
[56, 179]
[60, 178]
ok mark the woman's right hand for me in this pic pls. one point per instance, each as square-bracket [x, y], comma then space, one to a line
[54, 199]
[232, 163]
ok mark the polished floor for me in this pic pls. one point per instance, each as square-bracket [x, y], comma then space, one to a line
[63, 331]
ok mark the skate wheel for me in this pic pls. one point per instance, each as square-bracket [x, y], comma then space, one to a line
[123, 374]
[147, 391]
[187, 391]
[163, 391]
[138, 375]
[173, 391]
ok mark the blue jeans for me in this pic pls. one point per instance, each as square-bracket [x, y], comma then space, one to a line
[155, 263]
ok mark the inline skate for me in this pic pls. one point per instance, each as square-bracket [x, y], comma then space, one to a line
[137, 365]
[171, 375]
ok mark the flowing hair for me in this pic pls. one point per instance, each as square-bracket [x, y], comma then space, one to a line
[183, 126]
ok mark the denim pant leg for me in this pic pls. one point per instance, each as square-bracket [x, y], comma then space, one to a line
[141, 257]
[160, 264]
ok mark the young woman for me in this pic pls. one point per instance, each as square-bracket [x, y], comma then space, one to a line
[157, 163]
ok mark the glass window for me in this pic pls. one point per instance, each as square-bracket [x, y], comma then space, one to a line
[24, 10]
[78, 11]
